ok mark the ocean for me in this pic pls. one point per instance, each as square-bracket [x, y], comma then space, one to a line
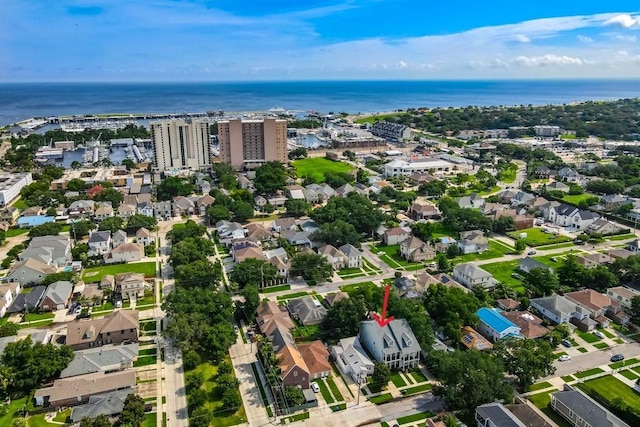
[19, 101]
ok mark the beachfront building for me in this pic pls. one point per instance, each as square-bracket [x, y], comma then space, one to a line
[247, 144]
[180, 144]
[11, 184]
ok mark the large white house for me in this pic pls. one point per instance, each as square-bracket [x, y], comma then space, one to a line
[569, 216]
[403, 167]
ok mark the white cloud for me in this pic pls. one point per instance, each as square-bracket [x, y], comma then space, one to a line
[624, 21]
[585, 39]
[620, 37]
[522, 38]
[402, 64]
[548, 59]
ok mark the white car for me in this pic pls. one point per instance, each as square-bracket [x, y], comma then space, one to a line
[564, 358]
[598, 334]
[315, 387]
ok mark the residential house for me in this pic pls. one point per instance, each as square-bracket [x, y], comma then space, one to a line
[10, 215]
[472, 201]
[109, 358]
[29, 301]
[634, 247]
[277, 201]
[81, 207]
[623, 295]
[143, 237]
[128, 252]
[600, 307]
[542, 172]
[473, 241]
[94, 190]
[57, 296]
[77, 390]
[115, 328]
[581, 411]
[334, 256]
[594, 260]
[294, 371]
[118, 238]
[471, 276]
[203, 203]
[352, 359]
[495, 326]
[507, 304]
[522, 413]
[99, 243]
[108, 282]
[415, 250]
[614, 201]
[442, 244]
[182, 206]
[33, 211]
[284, 224]
[126, 211]
[269, 314]
[299, 239]
[108, 404]
[131, 285]
[8, 292]
[245, 183]
[311, 196]
[558, 186]
[530, 325]
[353, 257]
[228, 231]
[505, 196]
[473, 340]
[307, 310]
[332, 298]
[527, 264]
[393, 344]
[619, 253]
[323, 192]
[559, 309]
[161, 210]
[295, 192]
[604, 227]
[103, 211]
[345, 190]
[147, 209]
[394, 236]
[316, 357]
[569, 216]
[52, 250]
[406, 287]
[259, 202]
[257, 232]
[522, 198]
[29, 271]
[419, 211]
[569, 175]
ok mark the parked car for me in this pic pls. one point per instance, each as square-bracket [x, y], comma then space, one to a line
[565, 342]
[315, 387]
[533, 252]
[617, 357]
[554, 259]
[564, 358]
[83, 316]
[598, 334]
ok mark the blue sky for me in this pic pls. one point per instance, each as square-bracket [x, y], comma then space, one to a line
[237, 40]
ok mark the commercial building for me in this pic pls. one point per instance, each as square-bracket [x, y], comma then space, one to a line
[180, 144]
[247, 144]
[11, 184]
[395, 132]
[402, 167]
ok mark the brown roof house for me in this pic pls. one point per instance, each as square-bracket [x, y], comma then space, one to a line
[394, 236]
[530, 325]
[294, 371]
[131, 285]
[331, 299]
[29, 271]
[601, 308]
[316, 357]
[423, 211]
[77, 390]
[115, 328]
[415, 250]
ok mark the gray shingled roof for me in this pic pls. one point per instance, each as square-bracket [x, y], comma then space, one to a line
[499, 415]
[99, 359]
[587, 409]
[101, 404]
[59, 292]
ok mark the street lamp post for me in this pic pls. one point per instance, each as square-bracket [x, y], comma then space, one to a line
[361, 375]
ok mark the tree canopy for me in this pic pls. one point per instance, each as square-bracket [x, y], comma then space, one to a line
[354, 209]
[527, 359]
[337, 233]
[311, 266]
[253, 271]
[173, 186]
[270, 178]
[452, 308]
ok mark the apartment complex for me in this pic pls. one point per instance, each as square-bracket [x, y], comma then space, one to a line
[11, 184]
[247, 144]
[180, 144]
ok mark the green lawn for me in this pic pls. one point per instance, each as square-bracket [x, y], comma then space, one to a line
[540, 386]
[496, 250]
[34, 317]
[352, 287]
[609, 387]
[417, 389]
[12, 232]
[622, 363]
[397, 380]
[418, 376]
[588, 337]
[559, 257]
[214, 399]
[508, 175]
[324, 391]
[587, 373]
[350, 273]
[150, 420]
[294, 418]
[536, 237]
[541, 401]
[568, 378]
[383, 398]
[393, 259]
[557, 246]
[575, 199]
[620, 237]
[629, 374]
[601, 345]
[316, 167]
[582, 350]
[95, 274]
[275, 289]
[334, 389]
[502, 272]
[145, 361]
[413, 418]
[292, 296]
[19, 204]
[607, 333]
[7, 413]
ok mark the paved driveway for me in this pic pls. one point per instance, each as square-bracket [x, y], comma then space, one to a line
[592, 359]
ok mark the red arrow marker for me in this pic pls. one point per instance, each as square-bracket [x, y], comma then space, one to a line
[383, 320]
